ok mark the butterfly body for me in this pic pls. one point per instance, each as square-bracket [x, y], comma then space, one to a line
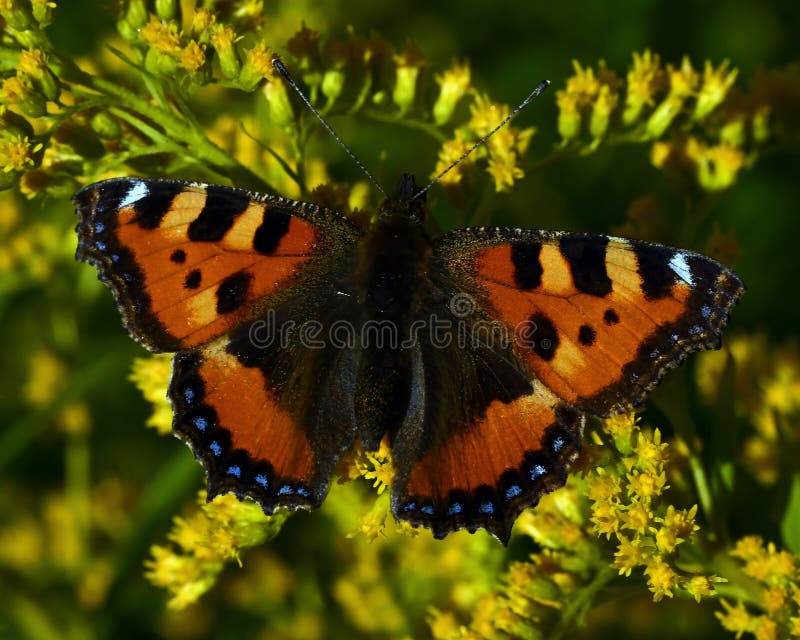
[477, 354]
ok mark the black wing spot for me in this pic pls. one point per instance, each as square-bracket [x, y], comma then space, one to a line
[587, 262]
[232, 292]
[545, 336]
[610, 317]
[274, 226]
[527, 267]
[587, 335]
[193, 280]
[654, 270]
[222, 207]
[178, 256]
[152, 207]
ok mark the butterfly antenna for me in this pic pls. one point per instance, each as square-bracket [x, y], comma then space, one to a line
[283, 71]
[531, 97]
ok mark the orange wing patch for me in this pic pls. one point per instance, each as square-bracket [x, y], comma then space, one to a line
[249, 443]
[597, 319]
[485, 474]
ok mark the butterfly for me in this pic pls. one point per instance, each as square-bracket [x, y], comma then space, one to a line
[479, 354]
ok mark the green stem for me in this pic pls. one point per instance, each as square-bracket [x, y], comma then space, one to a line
[196, 143]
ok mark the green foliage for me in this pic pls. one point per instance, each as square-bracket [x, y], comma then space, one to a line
[100, 531]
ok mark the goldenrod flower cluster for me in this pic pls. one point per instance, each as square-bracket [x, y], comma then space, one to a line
[766, 384]
[202, 543]
[702, 131]
[776, 614]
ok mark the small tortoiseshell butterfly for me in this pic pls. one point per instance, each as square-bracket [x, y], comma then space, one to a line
[477, 353]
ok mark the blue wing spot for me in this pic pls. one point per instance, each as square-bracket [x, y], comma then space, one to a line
[454, 509]
[261, 479]
[234, 470]
[693, 331]
[705, 310]
[302, 491]
[200, 422]
[127, 277]
[411, 506]
[99, 227]
[101, 246]
[513, 491]
[114, 257]
[285, 490]
[428, 509]
[558, 444]
[215, 447]
[188, 394]
[486, 507]
[537, 471]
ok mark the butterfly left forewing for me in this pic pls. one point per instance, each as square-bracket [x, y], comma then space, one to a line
[187, 262]
[597, 319]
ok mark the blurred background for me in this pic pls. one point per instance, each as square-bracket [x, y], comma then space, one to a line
[87, 488]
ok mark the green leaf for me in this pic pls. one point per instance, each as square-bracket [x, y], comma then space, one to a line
[790, 526]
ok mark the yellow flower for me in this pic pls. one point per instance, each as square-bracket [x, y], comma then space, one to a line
[602, 486]
[17, 152]
[505, 172]
[151, 376]
[637, 517]
[699, 587]
[193, 57]
[682, 81]
[453, 84]
[650, 452]
[662, 578]
[621, 428]
[47, 375]
[736, 618]
[629, 555]
[646, 485]
[606, 518]
[202, 19]
[258, 66]
[715, 87]
[681, 521]
[222, 39]
[163, 36]
[774, 599]
[766, 629]
[407, 65]
[645, 79]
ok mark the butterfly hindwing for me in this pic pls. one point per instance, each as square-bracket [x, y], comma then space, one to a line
[481, 441]
[597, 319]
[187, 262]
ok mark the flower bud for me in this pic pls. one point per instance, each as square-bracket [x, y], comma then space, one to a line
[43, 11]
[168, 10]
[332, 84]
[223, 38]
[279, 105]
[19, 91]
[106, 126]
[133, 19]
[453, 84]
[16, 14]
[257, 66]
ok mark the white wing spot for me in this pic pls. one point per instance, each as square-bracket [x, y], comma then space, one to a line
[138, 191]
[679, 265]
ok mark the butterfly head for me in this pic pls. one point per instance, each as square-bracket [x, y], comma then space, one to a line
[404, 204]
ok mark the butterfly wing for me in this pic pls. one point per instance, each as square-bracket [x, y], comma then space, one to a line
[599, 320]
[221, 275]
[187, 262]
[586, 324]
